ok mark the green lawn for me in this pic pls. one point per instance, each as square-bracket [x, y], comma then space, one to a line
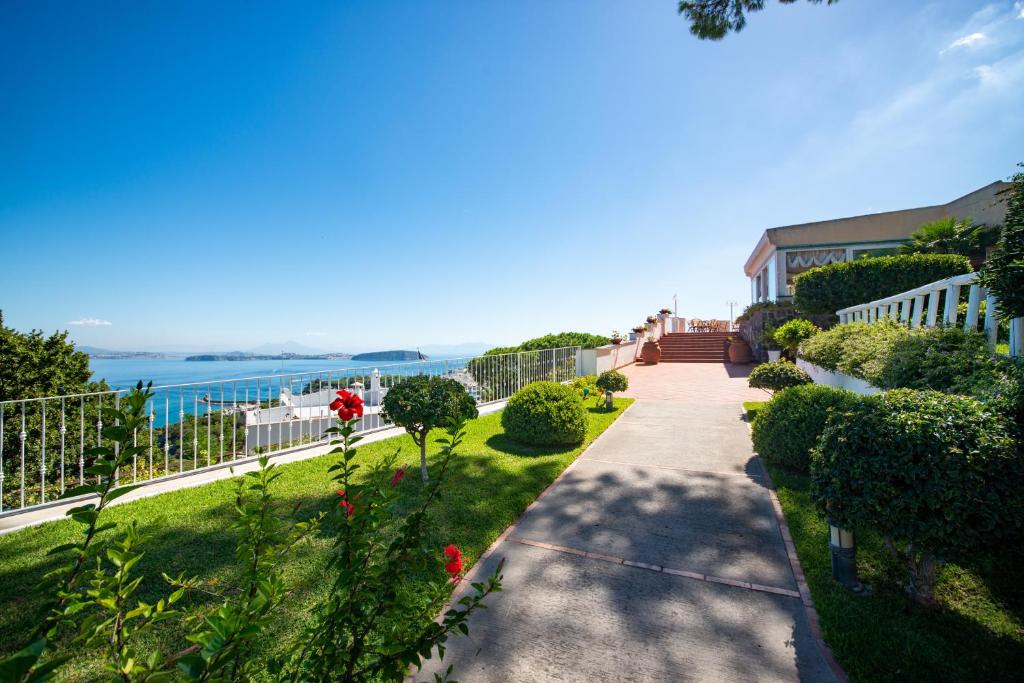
[491, 481]
[975, 633]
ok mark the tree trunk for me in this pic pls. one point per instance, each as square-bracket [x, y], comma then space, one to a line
[423, 458]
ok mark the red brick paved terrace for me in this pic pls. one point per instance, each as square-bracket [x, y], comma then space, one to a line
[692, 382]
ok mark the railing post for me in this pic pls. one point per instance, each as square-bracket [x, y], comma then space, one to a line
[952, 304]
[973, 307]
[905, 310]
[933, 308]
[915, 315]
[1017, 337]
[991, 320]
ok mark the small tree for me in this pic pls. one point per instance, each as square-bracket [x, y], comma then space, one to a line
[422, 403]
[609, 382]
[1003, 273]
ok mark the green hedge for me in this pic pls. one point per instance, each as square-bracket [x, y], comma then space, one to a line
[786, 428]
[545, 414]
[777, 375]
[827, 289]
[555, 341]
[937, 475]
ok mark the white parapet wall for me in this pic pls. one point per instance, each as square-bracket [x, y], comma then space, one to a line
[837, 379]
[609, 357]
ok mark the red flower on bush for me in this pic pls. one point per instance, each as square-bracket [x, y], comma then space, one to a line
[348, 405]
[454, 564]
[349, 507]
[399, 475]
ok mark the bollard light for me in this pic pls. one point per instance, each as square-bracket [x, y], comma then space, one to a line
[607, 400]
[843, 549]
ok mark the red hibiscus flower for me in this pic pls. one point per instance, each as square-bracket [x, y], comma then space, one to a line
[348, 405]
[399, 475]
[348, 507]
[454, 565]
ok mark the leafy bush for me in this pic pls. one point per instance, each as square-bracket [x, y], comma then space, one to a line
[422, 403]
[791, 333]
[945, 359]
[826, 348]
[1003, 273]
[777, 375]
[935, 475]
[612, 381]
[786, 428]
[865, 352]
[545, 414]
[826, 289]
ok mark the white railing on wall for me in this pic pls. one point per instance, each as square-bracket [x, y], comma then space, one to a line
[200, 426]
[920, 307]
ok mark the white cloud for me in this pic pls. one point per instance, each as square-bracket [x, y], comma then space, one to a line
[90, 322]
[1019, 7]
[966, 41]
[316, 334]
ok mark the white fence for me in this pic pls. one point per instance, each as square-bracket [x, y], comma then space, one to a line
[920, 307]
[204, 425]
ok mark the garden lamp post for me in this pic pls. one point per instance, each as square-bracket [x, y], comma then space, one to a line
[843, 549]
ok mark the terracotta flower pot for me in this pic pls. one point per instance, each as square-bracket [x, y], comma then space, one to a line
[739, 351]
[650, 353]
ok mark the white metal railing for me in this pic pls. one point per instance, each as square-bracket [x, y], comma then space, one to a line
[920, 307]
[204, 425]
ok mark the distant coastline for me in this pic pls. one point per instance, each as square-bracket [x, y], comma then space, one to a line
[240, 356]
[390, 355]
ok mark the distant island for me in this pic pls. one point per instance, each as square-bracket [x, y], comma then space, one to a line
[390, 355]
[241, 355]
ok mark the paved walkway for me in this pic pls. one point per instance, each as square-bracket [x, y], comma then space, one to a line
[657, 556]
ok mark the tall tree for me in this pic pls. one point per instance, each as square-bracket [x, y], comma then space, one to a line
[33, 365]
[714, 19]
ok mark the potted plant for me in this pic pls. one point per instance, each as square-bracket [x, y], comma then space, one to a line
[616, 337]
[665, 312]
[635, 333]
[650, 353]
[767, 340]
[739, 350]
[651, 319]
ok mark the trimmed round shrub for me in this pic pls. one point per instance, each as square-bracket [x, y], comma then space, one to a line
[612, 381]
[545, 414]
[787, 427]
[777, 375]
[937, 476]
[791, 333]
[826, 289]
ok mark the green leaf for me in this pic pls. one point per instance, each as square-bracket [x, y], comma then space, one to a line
[17, 665]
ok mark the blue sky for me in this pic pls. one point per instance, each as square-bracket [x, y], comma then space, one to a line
[362, 174]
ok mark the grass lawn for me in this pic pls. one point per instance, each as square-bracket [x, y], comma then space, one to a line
[491, 481]
[975, 633]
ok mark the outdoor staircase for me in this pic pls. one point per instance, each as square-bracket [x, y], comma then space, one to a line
[695, 347]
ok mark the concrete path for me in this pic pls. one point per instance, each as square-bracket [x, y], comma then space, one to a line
[657, 556]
